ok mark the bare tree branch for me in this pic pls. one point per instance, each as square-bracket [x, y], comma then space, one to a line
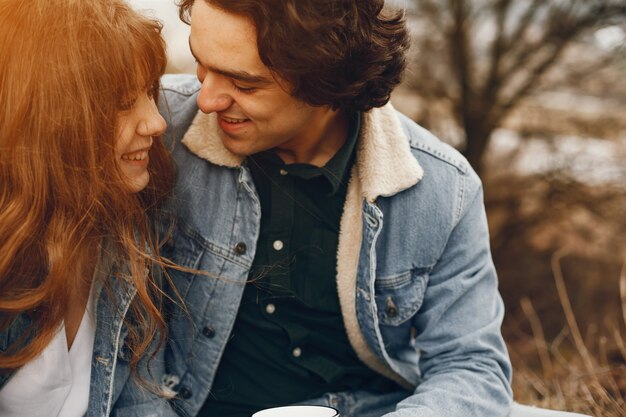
[532, 79]
[484, 80]
[491, 86]
[524, 22]
[577, 75]
[460, 51]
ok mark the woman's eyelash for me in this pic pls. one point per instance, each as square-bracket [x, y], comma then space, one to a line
[127, 104]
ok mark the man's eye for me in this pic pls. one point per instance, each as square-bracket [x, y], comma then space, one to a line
[245, 90]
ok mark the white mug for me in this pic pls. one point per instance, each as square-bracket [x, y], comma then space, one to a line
[298, 411]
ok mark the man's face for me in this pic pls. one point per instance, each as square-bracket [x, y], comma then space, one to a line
[254, 111]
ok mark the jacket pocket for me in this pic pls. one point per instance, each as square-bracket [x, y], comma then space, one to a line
[400, 296]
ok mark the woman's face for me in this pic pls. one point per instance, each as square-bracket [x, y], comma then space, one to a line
[134, 129]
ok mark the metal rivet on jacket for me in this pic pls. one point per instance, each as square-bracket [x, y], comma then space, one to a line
[392, 310]
[240, 248]
[208, 332]
[185, 393]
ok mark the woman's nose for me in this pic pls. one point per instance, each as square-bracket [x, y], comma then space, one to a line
[153, 124]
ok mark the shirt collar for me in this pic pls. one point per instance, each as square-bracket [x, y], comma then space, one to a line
[384, 163]
[337, 169]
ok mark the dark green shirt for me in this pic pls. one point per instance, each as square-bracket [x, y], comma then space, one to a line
[289, 342]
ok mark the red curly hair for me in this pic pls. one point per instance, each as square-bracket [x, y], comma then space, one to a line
[65, 68]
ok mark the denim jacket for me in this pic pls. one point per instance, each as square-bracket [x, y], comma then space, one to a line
[112, 391]
[416, 283]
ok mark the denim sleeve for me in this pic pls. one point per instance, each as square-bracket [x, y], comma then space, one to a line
[465, 369]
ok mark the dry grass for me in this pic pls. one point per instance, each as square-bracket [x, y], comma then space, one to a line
[586, 375]
[559, 246]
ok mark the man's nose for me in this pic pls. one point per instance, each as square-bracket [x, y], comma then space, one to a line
[213, 97]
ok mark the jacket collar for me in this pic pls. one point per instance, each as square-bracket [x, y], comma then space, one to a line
[385, 163]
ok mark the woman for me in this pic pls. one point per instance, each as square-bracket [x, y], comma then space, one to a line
[79, 304]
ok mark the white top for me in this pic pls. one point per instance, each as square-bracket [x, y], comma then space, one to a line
[56, 383]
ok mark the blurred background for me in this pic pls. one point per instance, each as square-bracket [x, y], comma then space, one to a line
[533, 92]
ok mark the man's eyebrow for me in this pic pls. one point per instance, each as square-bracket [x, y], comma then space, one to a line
[243, 76]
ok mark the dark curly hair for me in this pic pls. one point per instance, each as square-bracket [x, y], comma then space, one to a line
[348, 54]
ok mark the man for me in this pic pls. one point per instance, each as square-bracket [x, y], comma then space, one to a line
[344, 249]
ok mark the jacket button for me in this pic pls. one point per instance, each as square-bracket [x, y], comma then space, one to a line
[208, 332]
[240, 248]
[169, 243]
[185, 393]
[392, 310]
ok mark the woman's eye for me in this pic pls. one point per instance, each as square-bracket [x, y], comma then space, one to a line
[153, 91]
[127, 104]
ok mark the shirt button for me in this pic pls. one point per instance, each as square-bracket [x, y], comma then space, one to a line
[278, 245]
[283, 172]
[270, 308]
[240, 248]
[296, 352]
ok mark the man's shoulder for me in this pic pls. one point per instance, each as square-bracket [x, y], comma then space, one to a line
[177, 104]
[182, 85]
[178, 96]
[435, 156]
[449, 180]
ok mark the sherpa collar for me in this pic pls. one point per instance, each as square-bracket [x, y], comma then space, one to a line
[384, 160]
